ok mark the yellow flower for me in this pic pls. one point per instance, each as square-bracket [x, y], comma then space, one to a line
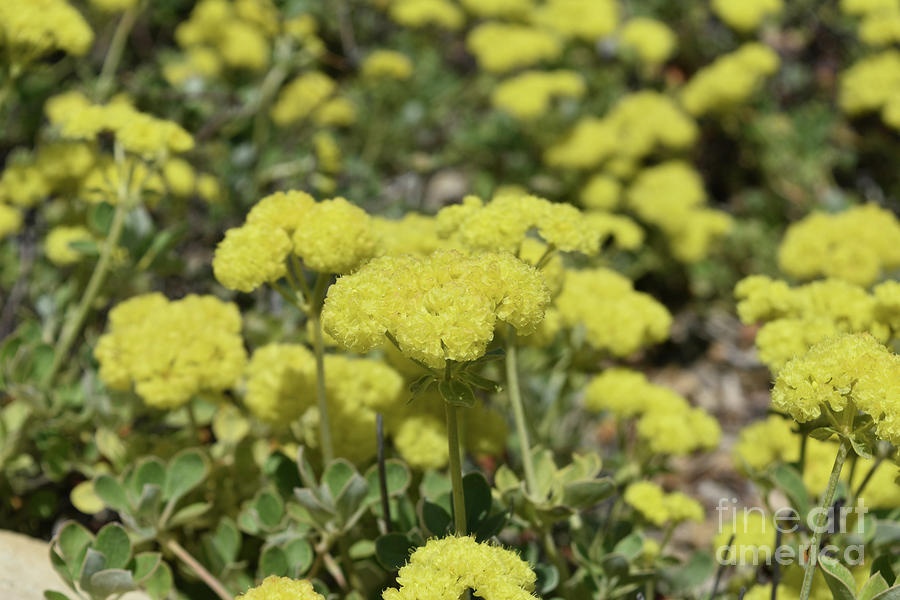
[422, 13]
[300, 97]
[444, 306]
[30, 29]
[850, 370]
[171, 351]
[282, 588]
[660, 508]
[334, 237]
[250, 256]
[281, 383]
[413, 234]
[328, 153]
[678, 432]
[766, 442]
[871, 83]
[10, 220]
[528, 95]
[866, 7]
[336, 112]
[746, 15]
[113, 6]
[57, 244]
[446, 567]
[387, 64]
[754, 538]
[617, 319]
[601, 192]
[501, 47]
[653, 41]
[730, 80]
[494, 9]
[585, 19]
[179, 177]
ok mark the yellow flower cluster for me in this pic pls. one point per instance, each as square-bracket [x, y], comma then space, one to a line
[746, 15]
[767, 442]
[502, 224]
[30, 29]
[57, 244]
[386, 64]
[754, 538]
[850, 371]
[659, 507]
[764, 592]
[171, 351]
[332, 236]
[422, 13]
[412, 234]
[861, 8]
[585, 19]
[113, 6]
[617, 319]
[234, 34]
[730, 80]
[440, 307]
[282, 588]
[857, 245]
[139, 133]
[502, 47]
[601, 192]
[10, 220]
[651, 40]
[528, 95]
[493, 9]
[796, 318]
[667, 422]
[873, 84]
[622, 230]
[636, 126]
[311, 96]
[671, 197]
[446, 567]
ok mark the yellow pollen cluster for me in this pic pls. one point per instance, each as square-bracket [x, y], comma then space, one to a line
[307, 96]
[601, 192]
[412, 234]
[387, 64]
[440, 307]
[857, 245]
[636, 126]
[332, 236]
[502, 224]
[502, 47]
[746, 15]
[584, 19]
[850, 371]
[424, 13]
[171, 351]
[617, 319]
[652, 41]
[671, 197]
[234, 34]
[493, 9]
[446, 567]
[873, 84]
[30, 29]
[659, 507]
[730, 80]
[529, 94]
[282, 588]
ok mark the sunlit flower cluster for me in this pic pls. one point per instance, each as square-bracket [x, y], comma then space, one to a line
[311, 95]
[170, 351]
[730, 80]
[386, 64]
[746, 15]
[282, 588]
[29, 29]
[584, 19]
[503, 47]
[659, 507]
[423, 13]
[440, 307]
[873, 84]
[858, 245]
[447, 567]
[528, 95]
[651, 40]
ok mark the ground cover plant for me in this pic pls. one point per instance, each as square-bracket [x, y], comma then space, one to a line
[432, 299]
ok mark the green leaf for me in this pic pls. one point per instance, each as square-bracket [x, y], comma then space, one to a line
[397, 477]
[149, 471]
[273, 561]
[480, 382]
[299, 555]
[392, 550]
[435, 519]
[614, 565]
[547, 579]
[60, 566]
[85, 247]
[336, 476]
[51, 595]
[111, 492]
[229, 425]
[838, 578]
[585, 494]
[872, 587]
[111, 581]
[159, 584]
[883, 565]
[477, 495]
[350, 499]
[85, 499]
[269, 509]
[93, 562]
[789, 480]
[72, 540]
[822, 433]
[189, 513]
[892, 593]
[227, 540]
[283, 472]
[490, 526]
[434, 485]
[420, 385]
[144, 564]
[630, 546]
[100, 218]
[320, 513]
[307, 475]
[862, 445]
[186, 471]
[697, 570]
[457, 393]
[113, 542]
[149, 502]
[362, 549]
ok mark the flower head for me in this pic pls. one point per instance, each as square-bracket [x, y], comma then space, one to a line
[282, 588]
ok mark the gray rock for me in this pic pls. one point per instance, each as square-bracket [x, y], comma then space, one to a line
[25, 570]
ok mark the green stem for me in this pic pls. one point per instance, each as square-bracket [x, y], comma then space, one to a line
[562, 567]
[349, 567]
[315, 315]
[515, 398]
[827, 501]
[868, 477]
[803, 444]
[115, 51]
[73, 326]
[208, 578]
[459, 502]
